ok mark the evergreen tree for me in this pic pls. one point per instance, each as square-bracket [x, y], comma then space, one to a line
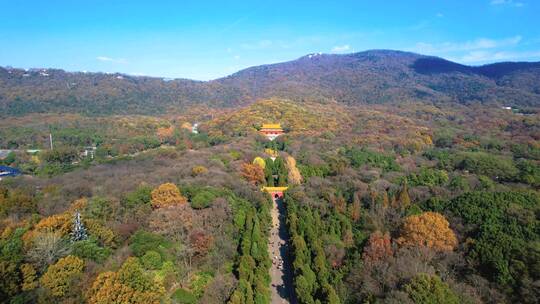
[79, 231]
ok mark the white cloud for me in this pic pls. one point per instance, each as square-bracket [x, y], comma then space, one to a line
[490, 56]
[109, 59]
[439, 15]
[237, 57]
[477, 44]
[507, 3]
[480, 50]
[341, 48]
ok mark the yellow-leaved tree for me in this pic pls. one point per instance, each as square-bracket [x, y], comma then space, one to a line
[198, 170]
[60, 276]
[29, 276]
[259, 162]
[294, 176]
[167, 195]
[429, 229]
[130, 284]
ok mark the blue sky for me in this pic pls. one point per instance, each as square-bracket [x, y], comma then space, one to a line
[210, 39]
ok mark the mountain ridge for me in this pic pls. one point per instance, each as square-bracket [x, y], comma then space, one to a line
[373, 76]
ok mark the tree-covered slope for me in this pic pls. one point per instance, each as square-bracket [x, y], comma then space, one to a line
[376, 76]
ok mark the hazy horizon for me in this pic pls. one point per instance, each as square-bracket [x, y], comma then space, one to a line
[204, 80]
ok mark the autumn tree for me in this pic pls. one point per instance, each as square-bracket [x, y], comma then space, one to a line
[355, 208]
[201, 242]
[198, 170]
[165, 134]
[338, 202]
[378, 247]
[60, 223]
[29, 276]
[294, 175]
[252, 173]
[167, 195]
[59, 276]
[429, 229]
[259, 161]
[403, 198]
[130, 284]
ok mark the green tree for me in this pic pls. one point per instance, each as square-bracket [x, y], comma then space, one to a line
[425, 289]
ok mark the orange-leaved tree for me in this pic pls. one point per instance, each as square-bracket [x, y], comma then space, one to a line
[429, 229]
[252, 173]
[165, 133]
[167, 195]
[379, 246]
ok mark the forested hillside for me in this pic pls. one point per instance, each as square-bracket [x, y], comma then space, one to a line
[391, 203]
[371, 77]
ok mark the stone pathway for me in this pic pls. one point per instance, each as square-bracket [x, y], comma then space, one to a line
[281, 270]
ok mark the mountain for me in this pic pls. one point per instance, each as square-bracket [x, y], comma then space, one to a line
[47, 90]
[384, 76]
[376, 76]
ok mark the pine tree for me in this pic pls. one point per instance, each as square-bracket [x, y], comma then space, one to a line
[79, 231]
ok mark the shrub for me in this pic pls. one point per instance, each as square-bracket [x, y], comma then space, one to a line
[151, 260]
[183, 296]
[203, 199]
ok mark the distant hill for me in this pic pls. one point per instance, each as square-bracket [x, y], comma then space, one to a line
[376, 76]
[384, 76]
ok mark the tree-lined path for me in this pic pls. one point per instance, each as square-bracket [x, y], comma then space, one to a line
[281, 270]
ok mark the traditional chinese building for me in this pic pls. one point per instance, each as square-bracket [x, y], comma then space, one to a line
[271, 131]
[275, 192]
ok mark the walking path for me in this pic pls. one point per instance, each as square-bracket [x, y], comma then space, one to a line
[278, 246]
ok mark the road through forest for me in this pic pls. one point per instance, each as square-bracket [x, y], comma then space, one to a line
[278, 246]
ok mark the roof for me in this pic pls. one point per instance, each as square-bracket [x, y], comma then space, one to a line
[271, 126]
[9, 171]
[274, 189]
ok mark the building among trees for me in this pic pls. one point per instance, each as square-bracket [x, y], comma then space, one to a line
[271, 131]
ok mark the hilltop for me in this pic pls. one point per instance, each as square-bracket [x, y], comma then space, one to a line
[377, 76]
